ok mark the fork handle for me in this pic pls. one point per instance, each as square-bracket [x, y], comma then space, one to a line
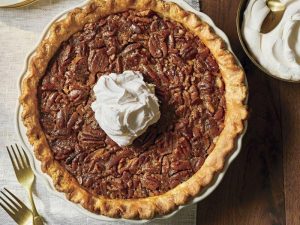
[37, 220]
[34, 211]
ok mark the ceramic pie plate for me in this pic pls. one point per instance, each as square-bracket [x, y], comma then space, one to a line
[21, 131]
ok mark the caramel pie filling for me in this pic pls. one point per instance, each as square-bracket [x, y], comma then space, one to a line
[189, 87]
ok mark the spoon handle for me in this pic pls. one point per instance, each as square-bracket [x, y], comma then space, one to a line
[275, 5]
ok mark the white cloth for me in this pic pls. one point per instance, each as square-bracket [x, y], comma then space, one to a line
[20, 30]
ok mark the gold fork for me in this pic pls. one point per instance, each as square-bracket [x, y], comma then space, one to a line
[15, 208]
[25, 176]
[20, 4]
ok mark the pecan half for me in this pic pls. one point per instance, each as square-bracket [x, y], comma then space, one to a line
[98, 60]
[151, 182]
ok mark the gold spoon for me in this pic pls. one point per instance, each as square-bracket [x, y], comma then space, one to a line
[277, 9]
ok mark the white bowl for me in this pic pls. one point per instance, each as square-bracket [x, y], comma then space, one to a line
[21, 131]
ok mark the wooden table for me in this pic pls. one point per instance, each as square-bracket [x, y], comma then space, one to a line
[262, 186]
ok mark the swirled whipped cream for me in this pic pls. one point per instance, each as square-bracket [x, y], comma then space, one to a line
[279, 50]
[125, 106]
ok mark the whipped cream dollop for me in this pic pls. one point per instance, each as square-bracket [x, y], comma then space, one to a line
[125, 106]
[279, 50]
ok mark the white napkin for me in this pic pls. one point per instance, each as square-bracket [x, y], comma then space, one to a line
[20, 30]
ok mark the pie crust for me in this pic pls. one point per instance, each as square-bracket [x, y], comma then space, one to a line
[143, 208]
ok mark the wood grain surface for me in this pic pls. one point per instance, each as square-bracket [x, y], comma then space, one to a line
[262, 186]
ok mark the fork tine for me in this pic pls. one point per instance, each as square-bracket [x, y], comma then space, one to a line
[12, 215]
[9, 204]
[21, 156]
[14, 197]
[11, 159]
[26, 157]
[17, 158]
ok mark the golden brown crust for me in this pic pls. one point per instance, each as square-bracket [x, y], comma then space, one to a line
[145, 208]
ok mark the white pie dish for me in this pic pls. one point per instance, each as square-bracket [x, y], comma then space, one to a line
[36, 164]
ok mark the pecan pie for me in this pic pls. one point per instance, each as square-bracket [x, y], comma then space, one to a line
[200, 88]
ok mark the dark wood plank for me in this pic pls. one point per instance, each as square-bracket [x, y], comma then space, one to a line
[290, 103]
[252, 191]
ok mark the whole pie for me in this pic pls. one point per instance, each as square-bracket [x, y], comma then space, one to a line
[201, 92]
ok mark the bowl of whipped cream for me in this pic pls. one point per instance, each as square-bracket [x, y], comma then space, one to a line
[277, 53]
